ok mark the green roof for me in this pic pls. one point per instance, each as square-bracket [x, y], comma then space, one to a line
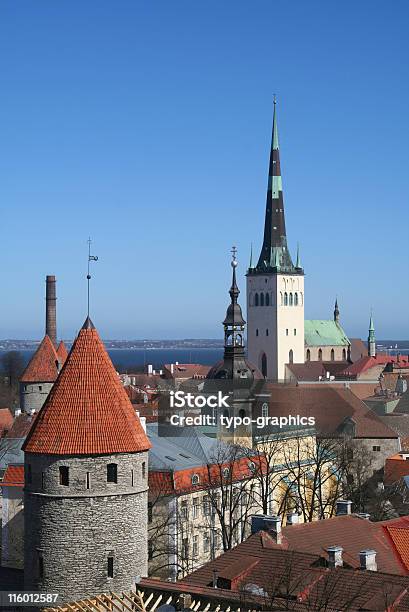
[324, 333]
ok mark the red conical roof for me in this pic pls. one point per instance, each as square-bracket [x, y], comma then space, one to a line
[62, 352]
[87, 411]
[43, 366]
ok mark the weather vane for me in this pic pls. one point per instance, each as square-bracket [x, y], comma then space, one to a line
[234, 253]
[90, 258]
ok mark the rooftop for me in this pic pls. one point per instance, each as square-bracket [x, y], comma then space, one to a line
[318, 332]
[44, 364]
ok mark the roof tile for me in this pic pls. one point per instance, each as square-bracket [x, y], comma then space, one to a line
[43, 366]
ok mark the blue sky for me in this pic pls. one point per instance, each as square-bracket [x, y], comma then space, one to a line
[146, 124]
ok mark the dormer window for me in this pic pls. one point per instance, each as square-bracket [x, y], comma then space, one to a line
[112, 472]
[226, 472]
[195, 479]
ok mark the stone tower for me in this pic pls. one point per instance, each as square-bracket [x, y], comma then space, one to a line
[86, 481]
[371, 338]
[39, 376]
[275, 287]
[51, 309]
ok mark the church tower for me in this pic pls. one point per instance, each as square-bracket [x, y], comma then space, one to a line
[86, 482]
[275, 287]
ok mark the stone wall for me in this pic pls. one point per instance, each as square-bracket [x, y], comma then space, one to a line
[33, 395]
[12, 528]
[72, 530]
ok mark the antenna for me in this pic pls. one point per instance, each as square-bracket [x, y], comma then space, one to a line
[90, 258]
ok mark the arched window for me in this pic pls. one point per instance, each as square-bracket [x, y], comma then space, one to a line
[264, 410]
[286, 299]
[332, 355]
[291, 299]
[281, 298]
[344, 354]
[264, 365]
[112, 472]
[64, 475]
[143, 469]
[266, 332]
[261, 299]
[256, 332]
[291, 356]
[256, 300]
[242, 413]
[308, 355]
[267, 300]
[295, 299]
[319, 354]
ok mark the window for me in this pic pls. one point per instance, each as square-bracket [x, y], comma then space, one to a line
[291, 356]
[266, 332]
[256, 300]
[29, 473]
[185, 548]
[144, 469]
[195, 479]
[195, 507]
[112, 472]
[132, 478]
[226, 472]
[150, 550]
[290, 301]
[286, 332]
[295, 299]
[88, 480]
[285, 299]
[261, 299]
[195, 548]
[295, 332]
[320, 354]
[183, 510]
[150, 513]
[206, 505]
[64, 476]
[332, 355]
[256, 332]
[376, 448]
[206, 542]
[110, 566]
[40, 566]
[267, 300]
[264, 365]
[264, 410]
[308, 355]
[40, 388]
[344, 355]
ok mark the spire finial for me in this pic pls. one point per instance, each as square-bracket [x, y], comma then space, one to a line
[274, 99]
[251, 255]
[234, 290]
[336, 309]
[90, 258]
[298, 261]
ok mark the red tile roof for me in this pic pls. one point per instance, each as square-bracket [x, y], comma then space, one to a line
[330, 406]
[398, 530]
[396, 467]
[43, 366]
[87, 411]
[349, 531]
[6, 420]
[366, 363]
[62, 352]
[21, 426]
[186, 370]
[13, 476]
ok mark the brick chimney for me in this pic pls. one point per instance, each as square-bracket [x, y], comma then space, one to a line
[344, 506]
[51, 309]
[335, 556]
[367, 559]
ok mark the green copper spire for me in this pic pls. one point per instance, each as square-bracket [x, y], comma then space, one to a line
[275, 144]
[298, 261]
[371, 338]
[371, 323]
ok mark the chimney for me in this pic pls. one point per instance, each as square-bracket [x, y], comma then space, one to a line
[363, 515]
[264, 522]
[344, 506]
[367, 560]
[51, 309]
[335, 556]
[292, 518]
[150, 368]
[171, 368]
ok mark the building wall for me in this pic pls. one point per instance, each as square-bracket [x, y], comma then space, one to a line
[33, 395]
[12, 528]
[284, 322]
[339, 354]
[386, 446]
[74, 529]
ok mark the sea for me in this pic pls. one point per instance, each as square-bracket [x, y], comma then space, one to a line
[131, 360]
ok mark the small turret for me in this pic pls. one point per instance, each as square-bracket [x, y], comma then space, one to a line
[371, 338]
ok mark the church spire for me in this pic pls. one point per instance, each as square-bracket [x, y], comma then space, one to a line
[336, 311]
[371, 338]
[274, 254]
